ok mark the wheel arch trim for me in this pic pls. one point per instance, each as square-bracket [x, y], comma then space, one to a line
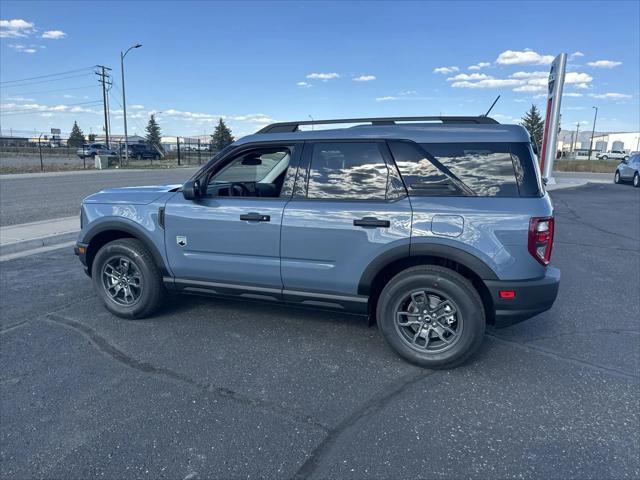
[131, 228]
[457, 255]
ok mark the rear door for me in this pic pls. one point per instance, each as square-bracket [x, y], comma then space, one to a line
[349, 207]
[229, 239]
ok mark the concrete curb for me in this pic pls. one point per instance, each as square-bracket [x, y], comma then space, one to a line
[33, 243]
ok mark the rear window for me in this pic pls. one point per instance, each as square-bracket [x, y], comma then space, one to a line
[484, 169]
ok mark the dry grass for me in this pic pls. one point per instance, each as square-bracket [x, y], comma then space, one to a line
[594, 166]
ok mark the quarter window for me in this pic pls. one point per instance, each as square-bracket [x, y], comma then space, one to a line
[350, 170]
[486, 168]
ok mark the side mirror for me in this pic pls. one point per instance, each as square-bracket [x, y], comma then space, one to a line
[191, 190]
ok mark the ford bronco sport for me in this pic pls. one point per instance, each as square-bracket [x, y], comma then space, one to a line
[432, 229]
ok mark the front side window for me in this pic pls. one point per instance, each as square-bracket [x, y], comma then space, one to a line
[258, 172]
[347, 171]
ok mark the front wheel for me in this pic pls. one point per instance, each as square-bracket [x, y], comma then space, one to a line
[616, 177]
[431, 316]
[626, 158]
[127, 279]
[604, 157]
[636, 180]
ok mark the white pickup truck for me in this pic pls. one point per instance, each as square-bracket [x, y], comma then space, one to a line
[613, 155]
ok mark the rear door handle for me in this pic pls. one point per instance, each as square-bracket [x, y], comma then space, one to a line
[371, 222]
[255, 217]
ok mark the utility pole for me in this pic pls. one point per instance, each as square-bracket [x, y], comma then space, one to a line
[577, 131]
[593, 132]
[104, 80]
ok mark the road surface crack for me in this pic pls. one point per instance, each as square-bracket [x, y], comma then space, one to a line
[221, 392]
[369, 408]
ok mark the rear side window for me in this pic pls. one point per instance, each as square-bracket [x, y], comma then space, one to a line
[347, 171]
[485, 168]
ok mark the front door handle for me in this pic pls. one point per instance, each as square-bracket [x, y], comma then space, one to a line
[371, 222]
[255, 217]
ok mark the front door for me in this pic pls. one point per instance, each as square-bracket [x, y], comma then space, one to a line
[230, 236]
[352, 208]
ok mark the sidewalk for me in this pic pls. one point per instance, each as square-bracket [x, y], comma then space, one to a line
[21, 240]
[577, 179]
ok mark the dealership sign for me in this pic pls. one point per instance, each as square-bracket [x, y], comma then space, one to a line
[552, 117]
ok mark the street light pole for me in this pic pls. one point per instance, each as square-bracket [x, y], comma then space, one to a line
[593, 131]
[124, 103]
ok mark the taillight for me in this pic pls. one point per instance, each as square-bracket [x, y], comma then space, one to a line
[541, 238]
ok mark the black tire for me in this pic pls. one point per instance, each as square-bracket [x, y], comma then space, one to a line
[616, 177]
[626, 158]
[152, 291]
[636, 180]
[604, 157]
[443, 283]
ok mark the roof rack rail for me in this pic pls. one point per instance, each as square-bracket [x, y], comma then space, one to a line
[286, 127]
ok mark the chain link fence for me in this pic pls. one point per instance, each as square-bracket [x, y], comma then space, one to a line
[19, 155]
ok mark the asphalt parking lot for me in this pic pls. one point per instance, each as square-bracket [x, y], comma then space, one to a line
[223, 389]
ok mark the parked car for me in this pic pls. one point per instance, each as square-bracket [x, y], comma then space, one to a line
[93, 149]
[613, 155]
[628, 171]
[140, 151]
[433, 230]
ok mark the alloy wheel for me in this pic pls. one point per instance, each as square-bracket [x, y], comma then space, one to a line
[122, 280]
[428, 321]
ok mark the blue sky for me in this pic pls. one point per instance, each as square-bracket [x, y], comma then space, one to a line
[253, 63]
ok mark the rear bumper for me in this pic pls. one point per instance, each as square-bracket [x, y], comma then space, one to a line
[531, 297]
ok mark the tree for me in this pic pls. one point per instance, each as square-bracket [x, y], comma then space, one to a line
[76, 139]
[533, 122]
[154, 135]
[221, 136]
[91, 137]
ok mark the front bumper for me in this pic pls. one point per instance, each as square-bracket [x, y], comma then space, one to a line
[531, 297]
[80, 249]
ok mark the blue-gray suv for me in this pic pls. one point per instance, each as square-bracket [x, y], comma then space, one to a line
[432, 226]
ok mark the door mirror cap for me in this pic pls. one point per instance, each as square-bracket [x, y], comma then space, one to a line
[191, 190]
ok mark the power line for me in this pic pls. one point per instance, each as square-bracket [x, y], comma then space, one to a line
[46, 81]
[56, 90]
[48, 75]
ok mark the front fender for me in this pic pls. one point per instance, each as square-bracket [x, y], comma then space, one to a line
[138, 221]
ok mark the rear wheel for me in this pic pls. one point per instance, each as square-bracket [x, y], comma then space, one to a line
[636, 180]
[616, 177]
[127, 279]
[431, 316]
[604, 157]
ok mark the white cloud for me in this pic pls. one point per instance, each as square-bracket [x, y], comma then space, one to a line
[19, 99]
[407, 92]
[304, 84]
[529, 82]
[54, 34]
[523, 57]
[572, 94]
[35, 107]
[136, 107]
[611, 96]
[466, 76]
[520, 100]
[529, 75]
[364, 78]
[385, 99]
[446, 70]
[479, 65]
[604, 64]
[489, 83]
[576, 55]
[323, 76]
[23, 48]
[16, 28]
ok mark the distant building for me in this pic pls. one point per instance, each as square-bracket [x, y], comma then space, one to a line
[117, 139]
[628, 141]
